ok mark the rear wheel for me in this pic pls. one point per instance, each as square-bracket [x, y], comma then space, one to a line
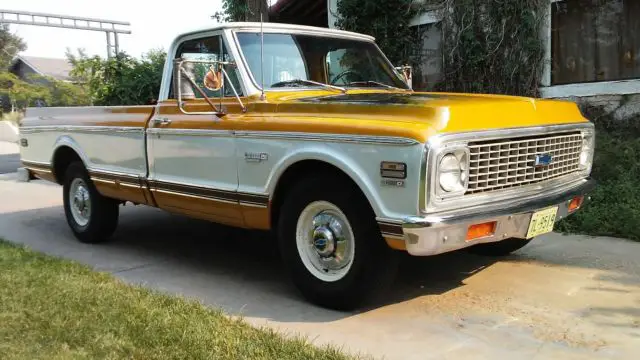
[331, 244]
[91, 216]
[500, 248]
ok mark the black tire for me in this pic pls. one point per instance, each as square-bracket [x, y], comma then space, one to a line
[103, 216]
[374, 263]
[500, 248]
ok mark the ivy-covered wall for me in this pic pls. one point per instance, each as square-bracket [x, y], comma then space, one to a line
[488, 46]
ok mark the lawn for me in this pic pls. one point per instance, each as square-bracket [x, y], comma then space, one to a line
[58, 309]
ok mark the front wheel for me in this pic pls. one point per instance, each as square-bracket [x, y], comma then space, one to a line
[331, 244]
[500, 248]
[91, 216]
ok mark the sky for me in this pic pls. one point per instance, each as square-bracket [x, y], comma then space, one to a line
[152, 25]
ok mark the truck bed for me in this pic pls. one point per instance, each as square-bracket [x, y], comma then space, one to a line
[111, 138]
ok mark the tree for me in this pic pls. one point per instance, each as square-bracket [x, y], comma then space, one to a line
[10, 45]
[21, 93]
[122, 80]
[242, 10]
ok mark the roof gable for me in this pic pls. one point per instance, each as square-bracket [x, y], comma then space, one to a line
[58, 69]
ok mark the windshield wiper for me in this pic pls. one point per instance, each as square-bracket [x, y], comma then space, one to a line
[308, 82]
[371, 82]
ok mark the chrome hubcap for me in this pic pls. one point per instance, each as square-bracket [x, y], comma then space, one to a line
[80, 202]
[325, 241]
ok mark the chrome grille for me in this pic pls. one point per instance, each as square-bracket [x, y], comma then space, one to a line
[505, 163]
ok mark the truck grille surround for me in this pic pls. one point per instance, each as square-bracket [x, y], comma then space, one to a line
[511, 162]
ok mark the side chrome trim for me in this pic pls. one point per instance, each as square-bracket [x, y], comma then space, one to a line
[81, 129]
[210, 198]
[345, 138]
[36, 163]
[250, 204]
[115, 177]
[190, 132]
[231, 197]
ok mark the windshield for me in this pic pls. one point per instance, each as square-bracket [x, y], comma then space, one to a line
[293, 60]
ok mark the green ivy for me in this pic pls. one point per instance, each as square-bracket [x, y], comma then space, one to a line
[488, 46]
[387, 21]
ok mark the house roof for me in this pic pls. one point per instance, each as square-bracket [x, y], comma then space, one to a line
[58, 69]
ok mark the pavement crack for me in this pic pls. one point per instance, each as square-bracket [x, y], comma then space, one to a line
[132, 268]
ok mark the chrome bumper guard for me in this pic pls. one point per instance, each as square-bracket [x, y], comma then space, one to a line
[431, 235]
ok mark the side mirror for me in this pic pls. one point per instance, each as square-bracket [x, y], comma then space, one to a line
[406, 71]
[213, 79]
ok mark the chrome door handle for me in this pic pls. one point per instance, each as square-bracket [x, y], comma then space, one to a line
[161, 121]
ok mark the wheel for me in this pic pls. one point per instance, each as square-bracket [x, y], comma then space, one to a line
[331, 245]
[500, 248]
[91, 216]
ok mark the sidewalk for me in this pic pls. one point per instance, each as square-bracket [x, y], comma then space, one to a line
[9, 157]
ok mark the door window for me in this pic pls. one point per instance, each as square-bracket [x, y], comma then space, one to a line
[210, 48]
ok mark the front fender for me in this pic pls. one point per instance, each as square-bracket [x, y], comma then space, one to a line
[361, 162]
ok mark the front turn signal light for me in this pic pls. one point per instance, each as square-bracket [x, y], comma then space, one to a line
[575, 203]
[481, 230]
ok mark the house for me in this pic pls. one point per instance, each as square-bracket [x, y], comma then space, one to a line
[592, 48]
[25, 66]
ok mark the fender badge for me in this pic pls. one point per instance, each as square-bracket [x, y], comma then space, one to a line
[256, 156]
[392, 182]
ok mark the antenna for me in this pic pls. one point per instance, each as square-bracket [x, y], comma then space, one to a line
[262, 97]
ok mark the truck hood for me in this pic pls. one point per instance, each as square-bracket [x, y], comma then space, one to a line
[420, 115]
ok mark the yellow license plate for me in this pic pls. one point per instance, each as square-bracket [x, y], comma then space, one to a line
[542, 222]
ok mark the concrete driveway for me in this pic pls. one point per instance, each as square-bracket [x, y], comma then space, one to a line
[9, 157]
[562, 297]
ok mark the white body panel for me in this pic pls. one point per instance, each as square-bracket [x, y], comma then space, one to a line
[361, 162]
[204, 158]
[103, 147]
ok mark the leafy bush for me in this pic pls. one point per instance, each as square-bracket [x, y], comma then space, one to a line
[123, 80]
[614, 209]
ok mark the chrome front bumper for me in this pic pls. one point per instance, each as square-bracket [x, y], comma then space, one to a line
[436, 234]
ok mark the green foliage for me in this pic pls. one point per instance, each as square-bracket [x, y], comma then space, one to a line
[242, 10]
[387, 21]
[21, 93]
[232, 10]
[10, 46]
[122, 80]
[615, 206]
[40, 91]
[493, 46]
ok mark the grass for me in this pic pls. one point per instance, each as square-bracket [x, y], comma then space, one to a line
[615, 206]
[57, 309]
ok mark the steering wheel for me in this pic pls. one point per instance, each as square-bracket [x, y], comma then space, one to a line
[345, 73]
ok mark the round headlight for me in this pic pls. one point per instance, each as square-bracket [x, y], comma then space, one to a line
[452, 173]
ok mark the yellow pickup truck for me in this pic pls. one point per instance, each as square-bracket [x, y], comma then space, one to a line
[312, 134]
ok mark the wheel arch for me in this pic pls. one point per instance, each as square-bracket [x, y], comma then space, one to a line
[66, 151]
[301, 165]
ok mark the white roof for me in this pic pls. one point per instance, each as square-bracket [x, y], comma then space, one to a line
[268, 26]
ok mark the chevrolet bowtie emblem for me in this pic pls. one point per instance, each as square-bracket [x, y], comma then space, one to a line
[543, 160]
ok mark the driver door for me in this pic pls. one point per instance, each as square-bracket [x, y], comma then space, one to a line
[193, 167]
